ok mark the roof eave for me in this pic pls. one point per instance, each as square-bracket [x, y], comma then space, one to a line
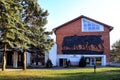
[82, 16]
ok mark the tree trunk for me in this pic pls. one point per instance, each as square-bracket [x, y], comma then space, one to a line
[4, 58]
[24, 63]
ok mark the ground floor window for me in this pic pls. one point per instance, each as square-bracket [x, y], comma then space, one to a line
[20, 59]
[98, 61]
[91, 61]
[38, 59]
[88, 61]
[1, 56]
[9, 60]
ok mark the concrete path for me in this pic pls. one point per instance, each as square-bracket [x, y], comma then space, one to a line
[115, 64]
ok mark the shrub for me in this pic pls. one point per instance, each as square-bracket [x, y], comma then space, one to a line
[68, 63]
[82, 62]
[49, 63]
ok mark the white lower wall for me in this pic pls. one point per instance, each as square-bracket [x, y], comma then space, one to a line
[74, 59]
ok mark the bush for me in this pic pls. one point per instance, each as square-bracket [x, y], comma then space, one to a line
[82, 62]
[49, 63]
[68, 64]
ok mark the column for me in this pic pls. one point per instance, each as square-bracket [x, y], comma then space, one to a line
[28, 58]
[104, 60]
[15, 60]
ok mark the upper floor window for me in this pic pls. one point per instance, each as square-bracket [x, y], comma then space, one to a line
[90, 26]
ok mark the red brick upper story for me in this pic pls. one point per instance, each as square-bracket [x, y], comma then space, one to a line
[74, 27]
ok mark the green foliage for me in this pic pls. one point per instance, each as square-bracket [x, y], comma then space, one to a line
[36, 18]
[49, 63]
[22, 24]
[82, 62]
[115, 52]
[11, 26]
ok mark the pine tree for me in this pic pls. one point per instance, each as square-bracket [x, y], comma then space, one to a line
[11, 26]
[49, 63]
[21, 25]
[36, 18]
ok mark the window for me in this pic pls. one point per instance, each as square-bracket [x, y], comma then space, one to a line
[1, 55]
[90, 26]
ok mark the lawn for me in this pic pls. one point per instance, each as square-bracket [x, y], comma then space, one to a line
[106, 73]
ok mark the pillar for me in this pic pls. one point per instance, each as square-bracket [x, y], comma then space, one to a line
[104, 60]
[15, 60]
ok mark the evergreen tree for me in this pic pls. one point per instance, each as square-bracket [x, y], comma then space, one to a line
[10, 25]
[36, 18]
[115, 52]
[22, 24]
[12, 28]
[49, 63]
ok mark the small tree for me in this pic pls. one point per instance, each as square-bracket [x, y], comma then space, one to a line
[82, 62]
[49, 63]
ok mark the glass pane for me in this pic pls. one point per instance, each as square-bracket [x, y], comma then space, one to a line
[91, 26]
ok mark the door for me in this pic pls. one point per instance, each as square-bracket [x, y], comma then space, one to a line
[62, 62]
[92, 61]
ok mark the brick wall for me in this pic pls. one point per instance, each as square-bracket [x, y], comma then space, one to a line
[74, 28]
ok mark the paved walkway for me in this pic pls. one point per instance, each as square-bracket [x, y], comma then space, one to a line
[115, 64]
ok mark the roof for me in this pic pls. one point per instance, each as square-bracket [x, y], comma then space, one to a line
[82, 16]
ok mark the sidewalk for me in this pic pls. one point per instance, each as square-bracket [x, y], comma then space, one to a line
[114, 64]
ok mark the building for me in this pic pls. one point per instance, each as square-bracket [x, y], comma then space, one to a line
[14, 58]
[82, 36]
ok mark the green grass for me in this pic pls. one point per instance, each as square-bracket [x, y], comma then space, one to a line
[106, 73]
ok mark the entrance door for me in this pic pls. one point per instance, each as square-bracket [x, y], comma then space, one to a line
[92, 61]
[62, 62]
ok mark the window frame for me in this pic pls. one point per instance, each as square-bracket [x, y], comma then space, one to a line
[90, 26]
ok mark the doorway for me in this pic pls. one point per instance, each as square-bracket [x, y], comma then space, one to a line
[92, 61]
[62, 62]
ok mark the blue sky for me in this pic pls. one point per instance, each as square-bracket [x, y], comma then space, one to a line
[106, 11]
